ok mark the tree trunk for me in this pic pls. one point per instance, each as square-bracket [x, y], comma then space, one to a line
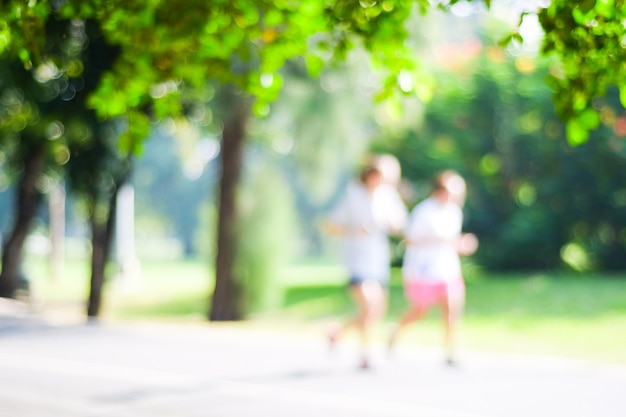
[101, 242]
[26, 208]
[226, 301]
[98, 263]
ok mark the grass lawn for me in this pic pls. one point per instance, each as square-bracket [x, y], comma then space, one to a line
[536, 313]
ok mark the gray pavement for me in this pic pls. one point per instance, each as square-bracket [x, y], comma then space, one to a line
[67, 368]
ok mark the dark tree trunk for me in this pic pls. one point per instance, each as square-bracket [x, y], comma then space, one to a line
[27, 202]
[101, 242]
[226, 302]
[98, 262]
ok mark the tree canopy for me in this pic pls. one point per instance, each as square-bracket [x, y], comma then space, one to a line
[166, 46]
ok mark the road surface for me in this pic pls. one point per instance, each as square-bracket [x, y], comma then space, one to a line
[74, 369]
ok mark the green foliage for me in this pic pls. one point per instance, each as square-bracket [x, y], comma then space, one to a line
[534, 201]
[243, 42]
[587, 37]
[45, 104]
[266, 231]
[240, 42]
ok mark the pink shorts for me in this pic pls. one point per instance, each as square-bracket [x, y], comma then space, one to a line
[427, 293]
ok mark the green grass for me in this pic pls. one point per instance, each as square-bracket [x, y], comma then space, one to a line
[164, 289]
[555, 314]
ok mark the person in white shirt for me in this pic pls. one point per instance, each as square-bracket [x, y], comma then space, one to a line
[368, 212]
[431, 268]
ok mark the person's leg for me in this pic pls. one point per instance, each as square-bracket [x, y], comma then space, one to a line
[418, 295]
[375, 299]
[337, 330]
[413, 314]
[452, 309]
[370, 298]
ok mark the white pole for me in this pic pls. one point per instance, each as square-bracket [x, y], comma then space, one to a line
[57, 231]
[125, 237]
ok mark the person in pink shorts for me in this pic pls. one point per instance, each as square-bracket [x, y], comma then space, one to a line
[431, 269]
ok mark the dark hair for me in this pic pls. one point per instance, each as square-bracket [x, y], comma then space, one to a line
[369, 171]
[452, 182]
[440, 179]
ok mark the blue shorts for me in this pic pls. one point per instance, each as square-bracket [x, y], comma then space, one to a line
[355, 280]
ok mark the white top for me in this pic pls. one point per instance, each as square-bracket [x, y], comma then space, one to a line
[368, 218]
[430, 254]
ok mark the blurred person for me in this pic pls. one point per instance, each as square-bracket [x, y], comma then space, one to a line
[431, 269]
[369, 210]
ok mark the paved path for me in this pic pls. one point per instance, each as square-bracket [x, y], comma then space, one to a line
[148, 370]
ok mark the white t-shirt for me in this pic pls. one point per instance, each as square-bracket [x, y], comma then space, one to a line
[369, 218]
[435, 259]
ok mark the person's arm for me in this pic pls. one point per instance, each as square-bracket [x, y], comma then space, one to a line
[398, 213]
[340, 230]
[467, 244]
[341, 220]
[430, 240]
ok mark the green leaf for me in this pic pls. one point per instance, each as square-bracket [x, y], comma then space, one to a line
[5, 38]
[24, 55]
[273, 18]
[314, 65]
[260, 108]
[586, 5]
[576, 132]
[505, 40]
[579, 101]
[589, 119]
[622, 95]
[605, 8]
[581, 17]
[138, 128]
